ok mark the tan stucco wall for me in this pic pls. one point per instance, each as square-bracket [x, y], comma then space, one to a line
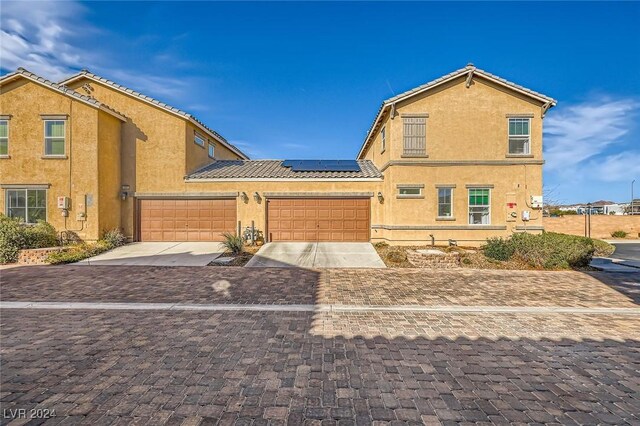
[74, 176]
[109, 162]
[601, 225]
[197, 156]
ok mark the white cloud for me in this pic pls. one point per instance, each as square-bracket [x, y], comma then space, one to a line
[36, 36]
[579, 132]
[621, 167]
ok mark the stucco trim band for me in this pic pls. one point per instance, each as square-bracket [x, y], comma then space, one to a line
[440, 163]
[54, 116]
[318, 194]
[525, 115]
[439, 227]
[445, 185]
[529, 228]
[5, 117]
[185, 195]
[410, 185]
[25, 186]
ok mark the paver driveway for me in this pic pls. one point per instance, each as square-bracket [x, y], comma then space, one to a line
[373, 357]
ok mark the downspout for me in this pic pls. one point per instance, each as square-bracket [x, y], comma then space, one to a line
[69, 121]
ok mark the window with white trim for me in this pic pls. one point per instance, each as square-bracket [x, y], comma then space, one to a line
[410, 191]
[54, 137]
[383, 139]
[199, 140]
[29, 205]
[4, 137]
[519, 136]
[445, 202]
[479, 206]
[414, 136]
[212, 150]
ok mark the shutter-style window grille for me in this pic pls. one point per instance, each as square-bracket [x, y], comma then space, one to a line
[415, 135]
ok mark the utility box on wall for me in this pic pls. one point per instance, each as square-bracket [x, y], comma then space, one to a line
[536, 201]
[64, 202]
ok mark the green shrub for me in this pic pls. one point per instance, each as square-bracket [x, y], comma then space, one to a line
[381, 244]
[619, 234]
[498, 249]
[12, 239]
[603, 248]
[550, 250]
[40, 235]
[78, 252]
[114, 238]
[233, 243]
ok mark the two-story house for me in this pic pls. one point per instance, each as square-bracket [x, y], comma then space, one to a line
[457, 158]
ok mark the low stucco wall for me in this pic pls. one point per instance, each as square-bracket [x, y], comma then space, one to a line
[601, 225]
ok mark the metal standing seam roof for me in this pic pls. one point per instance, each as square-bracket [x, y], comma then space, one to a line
[61, 88]
[177, 111]
[273, 169]
[457, 73]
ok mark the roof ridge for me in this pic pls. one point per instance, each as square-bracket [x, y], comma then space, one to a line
[154, 101]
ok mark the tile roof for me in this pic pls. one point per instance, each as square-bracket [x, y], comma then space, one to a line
[60, 88]
[160, 104]
[457, 73]
[273, 169]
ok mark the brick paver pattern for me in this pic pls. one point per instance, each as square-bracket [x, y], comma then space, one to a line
[325, 367]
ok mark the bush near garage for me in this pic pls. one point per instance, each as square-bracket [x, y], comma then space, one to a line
[15, 236]
[111, 239]
[548, 250]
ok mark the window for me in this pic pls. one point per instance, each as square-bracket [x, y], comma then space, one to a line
[519, 136]
[54, 132]
[30, 205]
[415, 136]
[445, 203]
[383, 139]
[4, 137]
[410, 191]
[479, 206]
[199, 140]
[212, 150]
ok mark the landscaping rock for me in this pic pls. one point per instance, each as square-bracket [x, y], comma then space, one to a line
[433, 259]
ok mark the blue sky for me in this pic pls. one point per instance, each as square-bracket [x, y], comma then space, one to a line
[305, 80]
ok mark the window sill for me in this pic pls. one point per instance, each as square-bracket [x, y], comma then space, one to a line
[54, 157]
[519, 156]
[445, 218]
[410, 197]
[5, 156]
[414, 156]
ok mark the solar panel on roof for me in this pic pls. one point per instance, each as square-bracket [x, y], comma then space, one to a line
[322, 165]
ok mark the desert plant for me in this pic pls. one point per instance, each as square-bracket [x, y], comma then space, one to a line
[42, 234]
[602, 248]
[396, 256]
[498, 249]
[78, 252]
[233, 243]
[381, 244]
[619, 234]
[12, 239]
[550, 250]
[114, 238]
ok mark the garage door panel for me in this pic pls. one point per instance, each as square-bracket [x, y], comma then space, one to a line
[318, 219]
[186, 220]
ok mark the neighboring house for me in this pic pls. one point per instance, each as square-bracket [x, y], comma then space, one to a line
[458, 158]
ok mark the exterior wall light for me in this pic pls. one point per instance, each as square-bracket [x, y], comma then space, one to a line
[380, 197]
[244, 197]
[256, 197]
[124, 192]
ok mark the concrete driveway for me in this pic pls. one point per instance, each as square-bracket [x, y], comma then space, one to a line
[159, 254]
[316, 255]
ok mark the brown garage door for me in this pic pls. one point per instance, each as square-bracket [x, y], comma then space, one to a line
[318, 219]
[186, 220]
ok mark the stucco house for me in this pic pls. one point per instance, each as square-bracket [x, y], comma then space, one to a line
[459, 158]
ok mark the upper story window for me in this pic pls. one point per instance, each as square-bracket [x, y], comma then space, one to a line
[212, 150]
[30, 205]
[519, 136]
[383, 139]
[479, 206]
[4, 137]
[445, 202]
[54, 137]
[199, 140]
[414, 136]
[410, 191]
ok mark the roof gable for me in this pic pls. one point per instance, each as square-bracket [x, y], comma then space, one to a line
[60, 88]
[159, 104]
[470, 71]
